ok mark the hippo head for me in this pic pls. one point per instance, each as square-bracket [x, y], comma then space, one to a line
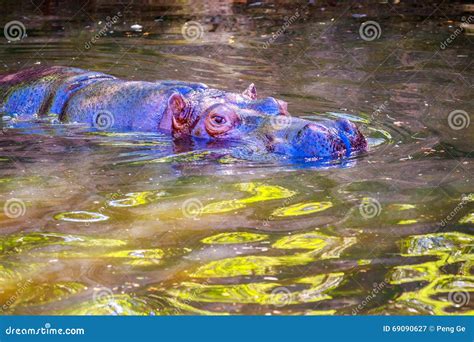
[261, 124]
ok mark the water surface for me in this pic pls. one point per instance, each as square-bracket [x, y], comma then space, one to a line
[129, 223]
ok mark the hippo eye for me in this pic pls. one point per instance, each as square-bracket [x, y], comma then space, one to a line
[220, 120]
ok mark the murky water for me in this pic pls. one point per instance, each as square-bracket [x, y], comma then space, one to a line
[104, 223]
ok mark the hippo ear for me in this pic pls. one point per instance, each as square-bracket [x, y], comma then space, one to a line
[176, 105]
[250, 92]
[283, 107]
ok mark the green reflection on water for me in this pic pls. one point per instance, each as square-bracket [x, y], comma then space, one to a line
[401, 206]
[178, 158]
[302, 209]
[440, 297]
[131, 305]
[260, 192]
[321, 247]
[119, 304]
[440, 293]
[260, 293]
[138, 257]
[469, 218]
[23, 242]
[235, 237]
[134, 199]
[39, 294]
[408, 221]
[314, 241]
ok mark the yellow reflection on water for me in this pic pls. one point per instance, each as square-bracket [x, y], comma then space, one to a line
[320, 247]
[469, 218]
[134, 199]
[268, 293]
[234, 237]
[442, 293]
[260, 192]
[302, 209]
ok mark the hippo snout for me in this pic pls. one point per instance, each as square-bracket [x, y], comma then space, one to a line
[323, 140]
[317, 140]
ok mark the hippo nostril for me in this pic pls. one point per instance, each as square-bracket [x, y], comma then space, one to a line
[346, 125]
[314, 128]
[351, 135]
[317, 140]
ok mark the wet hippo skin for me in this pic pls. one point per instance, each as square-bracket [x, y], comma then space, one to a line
[180, 108]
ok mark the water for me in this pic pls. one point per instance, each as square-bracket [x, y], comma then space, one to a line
[103, 223]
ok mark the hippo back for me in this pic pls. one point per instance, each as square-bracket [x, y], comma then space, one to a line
[42, 91]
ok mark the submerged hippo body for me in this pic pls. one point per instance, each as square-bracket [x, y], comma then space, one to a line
[183, 109]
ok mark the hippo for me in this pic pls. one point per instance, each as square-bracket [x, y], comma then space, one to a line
[182, 109]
